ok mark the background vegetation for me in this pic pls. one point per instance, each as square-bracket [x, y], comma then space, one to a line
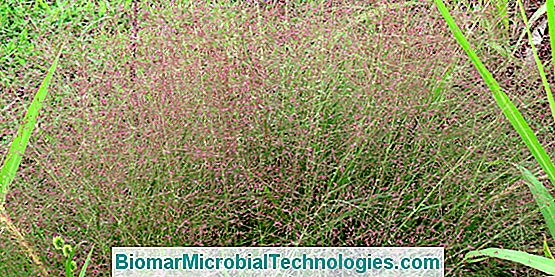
[352, 123]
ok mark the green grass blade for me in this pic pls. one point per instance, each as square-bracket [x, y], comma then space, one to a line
[538, 262]
[543, 198]
[539, 12]
[86, 264]
[17, 149]
[438, 91]
[538, 61]
[503, 101]
[546, 250]
[550, 7]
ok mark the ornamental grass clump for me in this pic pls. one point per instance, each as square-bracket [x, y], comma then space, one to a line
[251, 126]
[542, 196]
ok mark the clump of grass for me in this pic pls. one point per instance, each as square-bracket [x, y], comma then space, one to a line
[325, 126]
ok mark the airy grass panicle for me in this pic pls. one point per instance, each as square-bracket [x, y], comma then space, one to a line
[543, 198]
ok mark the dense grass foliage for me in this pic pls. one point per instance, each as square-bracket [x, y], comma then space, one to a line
[306, 124]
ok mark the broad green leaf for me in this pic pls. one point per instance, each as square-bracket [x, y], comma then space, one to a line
[509, 109]
[543, 198]
[17, 149]
[538, 262]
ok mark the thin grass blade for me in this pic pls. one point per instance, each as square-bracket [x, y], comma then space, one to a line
[550, 8]
[546, 251]
[539, 63]
[539, 12]
[438, 91]
[86, 264]
[545, 201]
[18, 146]
[538, 262]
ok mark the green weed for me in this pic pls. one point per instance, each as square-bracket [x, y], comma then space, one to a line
[541, 195]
